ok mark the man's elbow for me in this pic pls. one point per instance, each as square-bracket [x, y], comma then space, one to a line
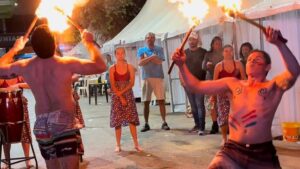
[295, 72]
[141, 63]
[298, 71]
[100, 69]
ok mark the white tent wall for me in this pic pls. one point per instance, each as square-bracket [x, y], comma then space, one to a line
[289, 108]
[177, 93]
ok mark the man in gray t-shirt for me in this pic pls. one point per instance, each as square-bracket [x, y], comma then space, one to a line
[194, 59]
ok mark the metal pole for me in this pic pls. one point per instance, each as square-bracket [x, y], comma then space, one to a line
[3, 25]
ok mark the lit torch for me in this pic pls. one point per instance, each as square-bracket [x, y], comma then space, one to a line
[231, 8]
[195, 11]
[56, 22]
[76, 25]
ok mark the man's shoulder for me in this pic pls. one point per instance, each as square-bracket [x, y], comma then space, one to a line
[25, 62]
[202, 50]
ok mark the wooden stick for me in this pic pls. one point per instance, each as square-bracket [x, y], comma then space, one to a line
[30, 27]
[252, 22]
[77, 26]
[186, 37]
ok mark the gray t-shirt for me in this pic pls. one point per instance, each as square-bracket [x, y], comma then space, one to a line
[194, 61]
[214, 58]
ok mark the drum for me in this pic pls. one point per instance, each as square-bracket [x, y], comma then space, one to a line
[11, 115]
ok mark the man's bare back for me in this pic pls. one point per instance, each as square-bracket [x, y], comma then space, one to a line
[50, 81]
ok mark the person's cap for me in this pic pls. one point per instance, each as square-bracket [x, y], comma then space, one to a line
[194, 35]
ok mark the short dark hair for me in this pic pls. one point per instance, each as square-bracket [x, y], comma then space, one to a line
[246, 44]
[266, 56]
[43, 42]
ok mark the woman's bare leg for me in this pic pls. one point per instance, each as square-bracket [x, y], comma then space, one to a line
[134, 137]
[26, 150]
[118, 131]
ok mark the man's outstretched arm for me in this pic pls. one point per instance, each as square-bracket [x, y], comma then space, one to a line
[289, 77]
[7, 68]
[193, 84]
[95, 65]
[9, 56]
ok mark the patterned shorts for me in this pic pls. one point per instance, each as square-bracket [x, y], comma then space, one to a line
[61, 146]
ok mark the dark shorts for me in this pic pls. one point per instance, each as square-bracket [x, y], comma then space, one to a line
[242, 156]
[62, 146]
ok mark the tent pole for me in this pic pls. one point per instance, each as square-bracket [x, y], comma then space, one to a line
[261, 35]
[166, 51]
[234, 40]
[3, 25]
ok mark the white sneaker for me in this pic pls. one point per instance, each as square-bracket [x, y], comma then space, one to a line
[201, 133]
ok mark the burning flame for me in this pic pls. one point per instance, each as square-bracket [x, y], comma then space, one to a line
[194, 10]
[230, 6]
[56, 21]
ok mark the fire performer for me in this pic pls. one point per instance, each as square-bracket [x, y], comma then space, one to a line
[50, 77]
[253, 105]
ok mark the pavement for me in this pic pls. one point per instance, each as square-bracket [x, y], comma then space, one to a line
[174, 149]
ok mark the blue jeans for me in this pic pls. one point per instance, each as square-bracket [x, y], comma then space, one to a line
[198, 108]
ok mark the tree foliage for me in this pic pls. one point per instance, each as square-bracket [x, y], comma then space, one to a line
[107, 17]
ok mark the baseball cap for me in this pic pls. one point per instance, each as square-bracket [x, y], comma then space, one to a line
[194, 35]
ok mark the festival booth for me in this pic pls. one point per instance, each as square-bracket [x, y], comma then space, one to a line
[167, 22]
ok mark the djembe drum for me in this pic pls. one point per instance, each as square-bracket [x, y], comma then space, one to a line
[11, 115]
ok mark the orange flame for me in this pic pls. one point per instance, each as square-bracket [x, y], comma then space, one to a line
[230, 6]
[56, 21]
[194, 10]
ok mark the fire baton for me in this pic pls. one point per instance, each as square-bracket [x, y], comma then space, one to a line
[252, 22]
[77, 26]
[30, 27]
[186, 37]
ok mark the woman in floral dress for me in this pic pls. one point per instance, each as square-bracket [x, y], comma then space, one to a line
[227, 68]
[123, 107]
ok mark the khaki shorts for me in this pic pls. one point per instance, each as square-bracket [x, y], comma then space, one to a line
[155, 85]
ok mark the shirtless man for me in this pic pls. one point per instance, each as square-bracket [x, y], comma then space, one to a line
[50, 77]
[253, 103]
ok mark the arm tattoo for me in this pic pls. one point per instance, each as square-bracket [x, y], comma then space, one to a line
[263, 92]
[238, 90]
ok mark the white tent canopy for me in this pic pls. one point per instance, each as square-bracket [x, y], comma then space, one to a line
[163, 17]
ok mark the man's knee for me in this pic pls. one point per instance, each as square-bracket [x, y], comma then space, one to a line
[222, 161]
[146, 103]
[161, 102]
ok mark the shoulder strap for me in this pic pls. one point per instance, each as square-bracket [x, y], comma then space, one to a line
[222, 65]
[234, 65]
